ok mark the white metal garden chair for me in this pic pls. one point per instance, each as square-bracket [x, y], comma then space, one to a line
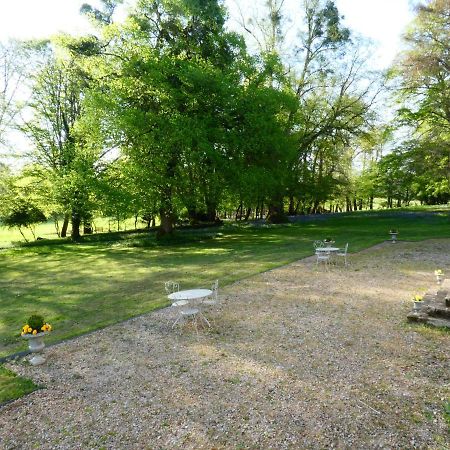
[323, 257]
[171, 287]
[213, 299]
[318, 244]
[343, 253]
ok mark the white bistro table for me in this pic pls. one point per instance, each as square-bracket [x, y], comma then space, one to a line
[327, 249]
[186, 300]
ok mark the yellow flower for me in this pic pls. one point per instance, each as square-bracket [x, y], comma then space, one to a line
[34, 331]
[23, 333]
[417, 298]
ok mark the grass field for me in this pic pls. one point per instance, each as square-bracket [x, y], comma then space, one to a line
[13, 386]
[47, 230]
[110, 277]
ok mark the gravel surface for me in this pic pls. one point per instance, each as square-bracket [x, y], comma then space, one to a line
[297, 358]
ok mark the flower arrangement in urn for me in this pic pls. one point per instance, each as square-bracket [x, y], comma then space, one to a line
[328, 242]
[439, 274]
[417, 299]
[35, 324]
[34, 331]
[393, 232]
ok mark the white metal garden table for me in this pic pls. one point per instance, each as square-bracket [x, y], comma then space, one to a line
[188, 303]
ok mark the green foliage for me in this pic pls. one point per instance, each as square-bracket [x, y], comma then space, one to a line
[36, 322]
[13, 386]
[423, 98]
[447, 412]
[23, 215]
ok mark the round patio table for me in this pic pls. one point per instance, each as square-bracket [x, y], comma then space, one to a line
[327, 249]
[181, 299]
[190, 294]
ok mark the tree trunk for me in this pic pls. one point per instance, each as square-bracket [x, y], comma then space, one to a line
[65, 226]
[239, 212]
[167, 223]
[211, 212]
[348, 205]
[21, 232]
[58, 231]
[247, 214]
[76, 222]
[291, 205]
[276, 211]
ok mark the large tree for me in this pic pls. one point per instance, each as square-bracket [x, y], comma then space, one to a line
[57, 147]
[424, 74]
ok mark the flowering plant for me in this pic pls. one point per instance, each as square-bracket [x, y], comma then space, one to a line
[417, 298]
[393, 231]
[438, 272]
[35, 325]
[328, 240]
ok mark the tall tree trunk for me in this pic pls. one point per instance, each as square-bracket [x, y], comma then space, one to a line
[211, 212]
[21, 232]
[348, 205]
[291, 205]
[76, 222]
[239, 212]
[65, 226]
[276, 213]
[167, 223]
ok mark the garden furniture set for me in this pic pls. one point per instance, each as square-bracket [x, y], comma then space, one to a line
[326, 253]
[189, 302]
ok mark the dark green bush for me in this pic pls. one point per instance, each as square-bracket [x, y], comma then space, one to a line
[36, 322]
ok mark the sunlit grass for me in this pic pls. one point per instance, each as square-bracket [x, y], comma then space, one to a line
[13, 386]
[82, 287]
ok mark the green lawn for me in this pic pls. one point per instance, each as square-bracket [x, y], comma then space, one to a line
[110, 277]
[47, 230]
[12, 386]
[86, 286]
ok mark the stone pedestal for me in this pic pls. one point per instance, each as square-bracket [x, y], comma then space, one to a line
[436, 307]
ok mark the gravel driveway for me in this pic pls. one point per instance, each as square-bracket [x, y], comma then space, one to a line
[297, 358]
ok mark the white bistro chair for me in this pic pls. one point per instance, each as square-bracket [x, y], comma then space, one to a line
[171, 287]
[343, 253]
[323, 257]
[213, 299]
[318, 244]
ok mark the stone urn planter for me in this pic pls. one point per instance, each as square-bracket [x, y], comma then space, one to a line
[439, 276]
[393, 236]
[417, 305]
[36, 344]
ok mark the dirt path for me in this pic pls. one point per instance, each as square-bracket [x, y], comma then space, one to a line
[297, 358]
